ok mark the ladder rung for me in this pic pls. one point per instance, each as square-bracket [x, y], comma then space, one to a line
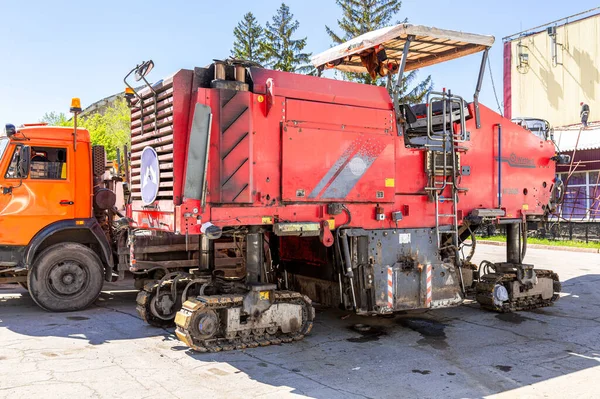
[443, 215]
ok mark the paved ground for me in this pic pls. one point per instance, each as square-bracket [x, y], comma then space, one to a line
[107, 351]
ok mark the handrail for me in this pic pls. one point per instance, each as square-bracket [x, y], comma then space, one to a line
[446, 98]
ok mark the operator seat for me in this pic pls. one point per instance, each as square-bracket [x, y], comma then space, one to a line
[414, 119]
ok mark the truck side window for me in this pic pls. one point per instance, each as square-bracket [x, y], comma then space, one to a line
[11, 173]
[48, 163]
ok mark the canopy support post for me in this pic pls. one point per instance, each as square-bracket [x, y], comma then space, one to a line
[478, 87]
[398, 85]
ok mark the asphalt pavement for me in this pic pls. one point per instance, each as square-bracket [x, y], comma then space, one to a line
[464, 352]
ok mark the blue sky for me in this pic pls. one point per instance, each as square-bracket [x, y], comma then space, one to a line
[55, 50]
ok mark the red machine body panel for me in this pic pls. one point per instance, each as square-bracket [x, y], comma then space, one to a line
[322, 165]
[521, 151]
[296, 143]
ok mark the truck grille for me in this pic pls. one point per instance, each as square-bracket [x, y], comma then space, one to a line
[154, 130]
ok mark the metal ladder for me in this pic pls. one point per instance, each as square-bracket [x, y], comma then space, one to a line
[445, 143]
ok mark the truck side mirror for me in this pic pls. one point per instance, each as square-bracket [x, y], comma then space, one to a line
[143, 70]
[24, 162]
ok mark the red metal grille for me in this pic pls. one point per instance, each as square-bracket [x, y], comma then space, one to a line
[153, 127]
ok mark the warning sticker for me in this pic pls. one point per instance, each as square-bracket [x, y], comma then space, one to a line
[264, 295]
[404, 238]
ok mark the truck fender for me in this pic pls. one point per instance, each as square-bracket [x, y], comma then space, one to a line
[89, 224]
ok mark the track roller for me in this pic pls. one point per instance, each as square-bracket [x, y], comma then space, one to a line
[159, 301]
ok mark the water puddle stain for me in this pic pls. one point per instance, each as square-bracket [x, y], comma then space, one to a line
[516, 318]
[368, 333]
[423, 372]
[506, 369]
[432, 331]
[77, 318]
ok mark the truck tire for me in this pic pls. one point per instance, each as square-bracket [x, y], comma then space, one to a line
[66, 277]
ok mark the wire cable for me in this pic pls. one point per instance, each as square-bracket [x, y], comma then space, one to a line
[494, 86]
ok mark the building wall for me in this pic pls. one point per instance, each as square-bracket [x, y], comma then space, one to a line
[553, 92]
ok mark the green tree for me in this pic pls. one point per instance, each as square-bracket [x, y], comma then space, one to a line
[55, 119]
[282, 51]
[362, 16]
[110, 129]
[249, 40]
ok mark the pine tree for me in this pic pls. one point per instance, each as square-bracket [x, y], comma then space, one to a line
[362, 16]
[249, 40]
[282, 51]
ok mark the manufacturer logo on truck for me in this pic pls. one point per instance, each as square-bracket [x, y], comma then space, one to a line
[517, 161]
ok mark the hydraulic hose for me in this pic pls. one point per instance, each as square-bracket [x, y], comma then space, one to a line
[524, 240]
[347, 260]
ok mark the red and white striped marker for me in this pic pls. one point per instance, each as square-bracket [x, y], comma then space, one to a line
[390, 288]
[428, 285]
[132, 261]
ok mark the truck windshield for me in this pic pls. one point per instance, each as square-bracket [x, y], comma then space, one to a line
[3, 145]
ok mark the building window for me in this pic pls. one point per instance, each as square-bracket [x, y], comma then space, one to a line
[582, 196]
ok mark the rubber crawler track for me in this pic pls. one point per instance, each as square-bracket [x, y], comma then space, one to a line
[485, 289]
[248, 339]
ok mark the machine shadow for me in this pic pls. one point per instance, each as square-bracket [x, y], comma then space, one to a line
[473, 351]
[464, 350]
[112, 317]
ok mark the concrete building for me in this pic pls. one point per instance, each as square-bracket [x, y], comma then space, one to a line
[582, 175]
[548, 71]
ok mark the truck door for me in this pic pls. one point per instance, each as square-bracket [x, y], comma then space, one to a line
[45, 196]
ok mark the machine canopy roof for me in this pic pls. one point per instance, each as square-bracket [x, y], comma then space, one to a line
[430, 46]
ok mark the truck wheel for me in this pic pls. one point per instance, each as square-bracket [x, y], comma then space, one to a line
[66, 277]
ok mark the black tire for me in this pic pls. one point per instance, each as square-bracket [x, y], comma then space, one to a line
[66, 277]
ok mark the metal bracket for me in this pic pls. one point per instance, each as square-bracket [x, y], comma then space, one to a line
[465, 171]
[526, 275]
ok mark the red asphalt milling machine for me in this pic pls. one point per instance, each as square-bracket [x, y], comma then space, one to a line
[256, 191]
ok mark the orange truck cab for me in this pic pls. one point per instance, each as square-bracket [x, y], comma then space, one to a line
[52, 237]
